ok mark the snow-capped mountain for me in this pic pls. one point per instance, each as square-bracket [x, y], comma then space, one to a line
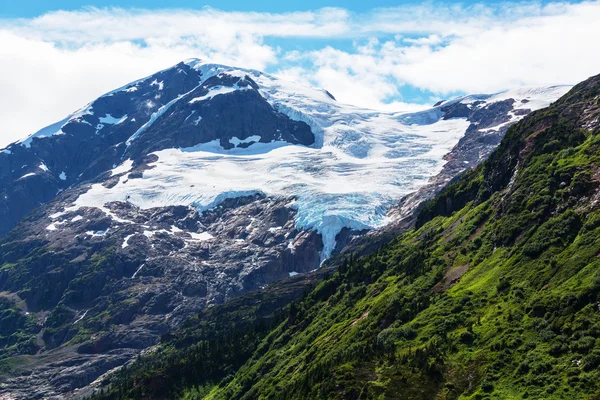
[216, 132]
[201, 182]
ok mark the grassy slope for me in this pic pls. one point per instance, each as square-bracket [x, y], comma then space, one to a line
[494, 295]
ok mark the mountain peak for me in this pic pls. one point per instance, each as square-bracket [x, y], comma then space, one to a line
[243, 131]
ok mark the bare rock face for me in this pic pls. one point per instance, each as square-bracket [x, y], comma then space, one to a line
[242, 114]
[118, 279]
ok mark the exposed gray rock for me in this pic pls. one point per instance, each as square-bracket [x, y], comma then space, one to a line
[114, 283]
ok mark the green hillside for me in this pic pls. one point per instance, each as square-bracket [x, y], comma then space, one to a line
[495, 294]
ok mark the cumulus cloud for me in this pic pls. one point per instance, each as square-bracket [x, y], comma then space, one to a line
[57, 62]
[521, 46]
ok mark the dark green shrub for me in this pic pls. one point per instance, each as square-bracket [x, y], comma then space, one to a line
[590, 362]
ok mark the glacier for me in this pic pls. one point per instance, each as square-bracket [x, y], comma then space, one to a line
[362, 162]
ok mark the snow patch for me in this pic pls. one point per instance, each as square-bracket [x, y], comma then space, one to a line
[188, 117]
[160, 84]
[155, 116]
[217, 91]
[123, 168]
[126, 241]
[56, 128]
[57, 215]
[82, 317]
[26, 175]
[52, 226]
[51, 130]
[97, 233]
[62, 176]
[236, 142]
[201, 236]
[137, 271]
[535, 97]
[110, 120]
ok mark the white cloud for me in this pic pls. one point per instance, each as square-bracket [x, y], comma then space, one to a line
[54, 64]
[555, 46]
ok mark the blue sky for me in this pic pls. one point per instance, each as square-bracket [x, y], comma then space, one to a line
[33, 8]
[396, 56]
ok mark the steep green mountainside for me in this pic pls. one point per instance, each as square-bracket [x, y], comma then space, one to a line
[494, 295]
